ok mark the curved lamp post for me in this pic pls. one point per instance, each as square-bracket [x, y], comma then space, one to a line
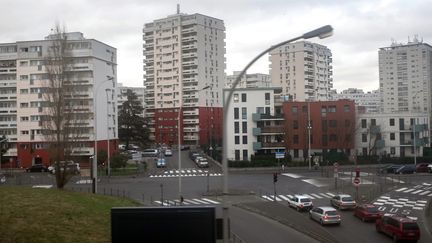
[322, 32]
[94, 179]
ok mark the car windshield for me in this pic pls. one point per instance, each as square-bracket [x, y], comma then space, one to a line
[372, 210]
[410, 226]
[331, 213]
[305, 200]
[347, 199]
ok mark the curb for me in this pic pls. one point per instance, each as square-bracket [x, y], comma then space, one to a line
[311, 234]
[427, 216]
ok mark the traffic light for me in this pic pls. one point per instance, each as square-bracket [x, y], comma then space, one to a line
[275, 177]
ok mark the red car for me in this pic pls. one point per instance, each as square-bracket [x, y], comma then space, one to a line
[422, 167]
[398, 227]
[367, 212]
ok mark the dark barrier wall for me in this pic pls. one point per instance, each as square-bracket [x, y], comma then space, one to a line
[163, 224]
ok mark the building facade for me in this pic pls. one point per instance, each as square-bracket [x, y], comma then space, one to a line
[92, 83]
[405, 77]
[303, 70]
[319, 127]
[184, 63]
[254, 80]
[392, 134]
[254, 122]
[369, 102]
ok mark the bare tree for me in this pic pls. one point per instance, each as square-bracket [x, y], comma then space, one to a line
[61, 123]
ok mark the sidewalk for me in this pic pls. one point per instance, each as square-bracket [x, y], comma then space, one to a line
[290, 218]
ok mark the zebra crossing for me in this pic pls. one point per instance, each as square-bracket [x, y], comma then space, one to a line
[400, 203]
[285, 197]
[185, 173]
[187, 202]
[424, 189]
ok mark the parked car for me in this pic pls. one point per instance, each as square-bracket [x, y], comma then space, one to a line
[389, 169]
[300, 202]
[168, 152]
[406, 169]
[422, 167]
[429, 168]
[367, 212]
[398, 227]
[343, 201]
[2, 178]
[203, 163]
[160, 163]
[185, 147]
[325, 215]
[150, 153]
[37, 168]
[193, 155]
[71, 167]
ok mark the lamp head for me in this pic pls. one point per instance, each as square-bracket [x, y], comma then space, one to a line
[322, 32]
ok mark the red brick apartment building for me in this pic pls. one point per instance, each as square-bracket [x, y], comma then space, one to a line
[332, 127]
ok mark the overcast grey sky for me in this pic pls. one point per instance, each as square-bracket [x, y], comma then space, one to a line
[361, 28]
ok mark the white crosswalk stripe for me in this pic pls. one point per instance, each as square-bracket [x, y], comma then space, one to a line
[416, 191]
[315, 195]
[267, 198]
[292, 175]
[331, 194]
[190, 201]
[283, 197]
[401, 189]
[200, 201]
[409, 190]
[210, 201]
[424, 193]
[325, 195]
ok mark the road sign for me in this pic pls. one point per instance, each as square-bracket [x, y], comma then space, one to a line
[280, 155]
[357, 181]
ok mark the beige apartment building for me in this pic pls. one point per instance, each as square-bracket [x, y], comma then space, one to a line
[303, 70]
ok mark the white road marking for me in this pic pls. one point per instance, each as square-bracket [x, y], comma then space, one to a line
[325, 195]
[377, 203]
[421, 201]
[315, 182]
[210, 201]
[43, 186]
[309, 196]
[385, 197]
[200, 201]
[424, 193]
[283, 197]
[331, 194]
[417, 208]
[315, 195]
[190, 201]
[292, 175]
[410, 190]
[267, 198]
[401, 189]
[427, 184]
[416, 191]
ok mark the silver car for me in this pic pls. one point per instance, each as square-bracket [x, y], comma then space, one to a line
[325, 215]
[2, 178]
[343, 201]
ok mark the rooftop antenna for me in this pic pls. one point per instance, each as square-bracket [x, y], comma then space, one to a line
[178, 8]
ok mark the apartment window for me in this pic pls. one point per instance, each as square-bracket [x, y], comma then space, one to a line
[245, 140]
[333, 123]
[347, 123]
[324, 125]
[236, 127]
[24, 118]
[332, 109]
[373, 122]
[23, 77]
[392, 150]
[267, 98]
[363, 123]
[236, 113]
[260, 110]
[392, 136]
[245, 154]
[24, 132]
[24, 91]
[364, 137]
[346, 108]
[296, 153]
[294, 109]
[244, 127]
[392, 122]
[364, 151]
[333, 137]
[236, 98]
[237, 139]
[323, 111]
[324, 140]
[295, 124]
[237, 154]
[244, 113]
[295, 139]
[243, 97]
[267, 110]
[24, 105]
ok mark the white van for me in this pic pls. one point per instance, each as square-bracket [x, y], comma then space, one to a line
[150, 153]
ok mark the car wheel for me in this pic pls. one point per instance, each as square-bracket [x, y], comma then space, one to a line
[395, 239]
[321, 222]
[42, 170]
[363, 219]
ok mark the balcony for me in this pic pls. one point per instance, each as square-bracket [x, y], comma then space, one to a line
[273, 145]
[259, 117]
[257, 146]
[256, 131]
[273, 129]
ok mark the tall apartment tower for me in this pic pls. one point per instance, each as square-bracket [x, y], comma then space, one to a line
[184, 64]
[303, 70]
[254, 80]
[23, 82]
[405, 74]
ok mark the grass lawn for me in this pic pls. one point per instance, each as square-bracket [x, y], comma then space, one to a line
[51, 215]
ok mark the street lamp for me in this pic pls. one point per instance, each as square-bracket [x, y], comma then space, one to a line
[322, 32]
[309, 128]
[94, 179]
[179, 143]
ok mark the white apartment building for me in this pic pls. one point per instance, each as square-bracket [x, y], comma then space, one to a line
[254, 122]
[368, 102]
[405, 77]
[184, 64]
[254, 80]
[121, 95]
[23, 80]
[392, 134]
[303, 70]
